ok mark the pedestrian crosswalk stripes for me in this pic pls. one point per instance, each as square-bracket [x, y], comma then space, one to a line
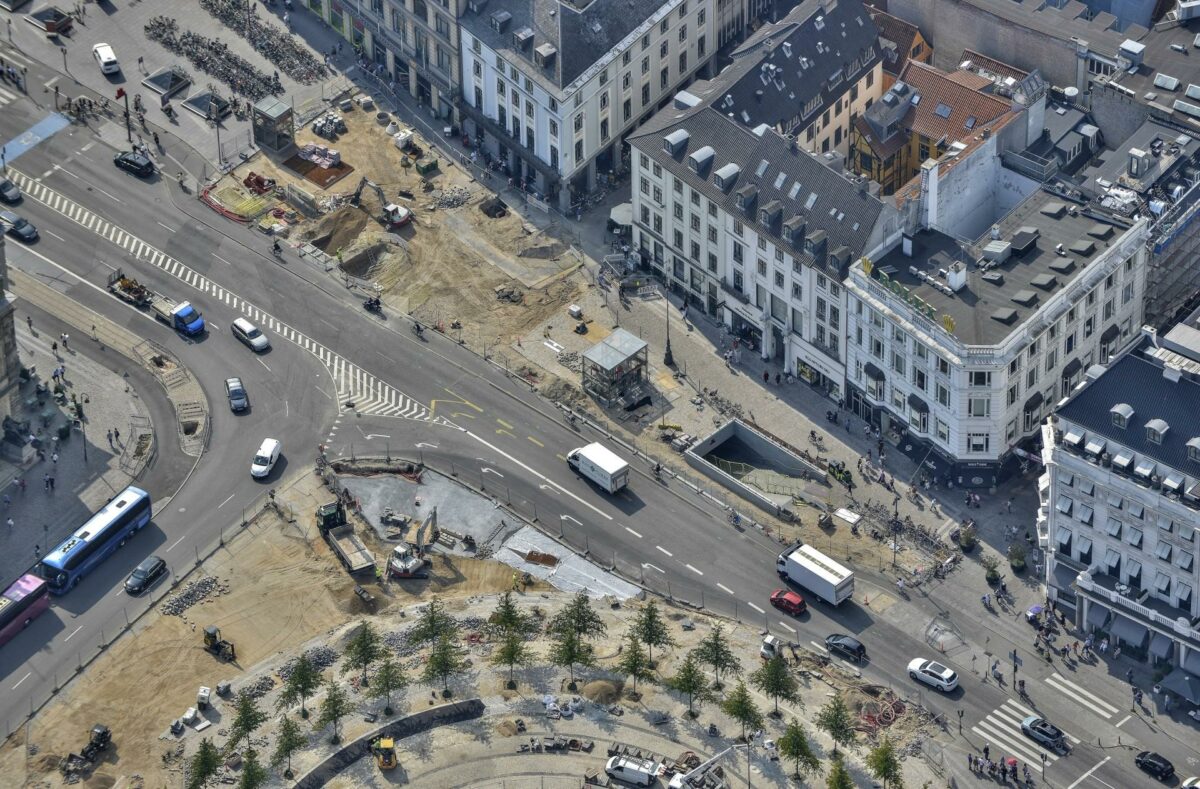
[1081, 696]
[1002, 730]
[7, 96]
[368, 394]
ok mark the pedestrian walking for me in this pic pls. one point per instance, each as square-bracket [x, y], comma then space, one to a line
[54, 458]
[1075, 647]
[54, 349]
[117, 434]
[7, 499]
[10, 524]
[46, 481]
[66, 338]
[1129, 676]
[29, 321]
[110, 441]
[21, 484]
[1008, 506]
[766, 377]
[986, 752]
[37, 551]
[51, 481]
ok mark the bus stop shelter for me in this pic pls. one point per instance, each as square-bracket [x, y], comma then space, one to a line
[615, 371]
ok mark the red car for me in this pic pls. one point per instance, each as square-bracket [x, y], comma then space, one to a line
[788, 602]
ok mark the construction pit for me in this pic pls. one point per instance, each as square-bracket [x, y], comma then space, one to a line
[462, 256]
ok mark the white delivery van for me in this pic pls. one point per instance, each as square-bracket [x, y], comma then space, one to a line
[600, 465]
[106, 59]
[630, 770]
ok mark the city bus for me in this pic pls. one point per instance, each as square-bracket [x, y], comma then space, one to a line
[95, 540]
[21, 603]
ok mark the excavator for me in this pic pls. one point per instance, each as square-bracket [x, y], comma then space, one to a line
[394, 216]
[384, 749]
[218, 646]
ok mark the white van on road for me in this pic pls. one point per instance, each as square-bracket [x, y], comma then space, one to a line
[106, 59]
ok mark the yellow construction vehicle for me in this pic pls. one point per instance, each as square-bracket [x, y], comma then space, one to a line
[384, 749]
[218, 646]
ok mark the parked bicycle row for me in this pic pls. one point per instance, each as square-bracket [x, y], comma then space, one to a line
[213, 57]
[277, 45]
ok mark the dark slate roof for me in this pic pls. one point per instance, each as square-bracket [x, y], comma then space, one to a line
[827, 199]
[899, 32]
[581, 33]
[821, 48]
[1139, 382]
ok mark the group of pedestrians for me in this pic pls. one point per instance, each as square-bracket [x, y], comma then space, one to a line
[1003, 770]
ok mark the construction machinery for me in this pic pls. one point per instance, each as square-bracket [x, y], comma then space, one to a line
[218, 646]
[98, 741]
[350, 550]
[393, 215]
[384, 749]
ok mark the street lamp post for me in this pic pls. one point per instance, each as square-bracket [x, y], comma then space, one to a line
[1043, 764]
[668, 357]
[960, 717]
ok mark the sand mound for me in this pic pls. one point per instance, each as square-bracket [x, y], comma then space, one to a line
[506, 728]
[602, 691]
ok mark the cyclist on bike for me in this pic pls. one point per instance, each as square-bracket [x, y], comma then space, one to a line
[276, 249]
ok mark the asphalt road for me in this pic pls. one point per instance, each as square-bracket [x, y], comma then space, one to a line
[460, 414]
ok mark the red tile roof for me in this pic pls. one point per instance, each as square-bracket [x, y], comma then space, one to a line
[992, 65]
[898, 31]
[947, 109]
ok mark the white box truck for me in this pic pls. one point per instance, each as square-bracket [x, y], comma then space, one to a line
[807, 567]
[600, 465]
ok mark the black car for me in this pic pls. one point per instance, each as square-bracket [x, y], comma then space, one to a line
[1155, 764]
[9, 193]
[18, 227]
[134, 162]
[145, 574]
[849, 646]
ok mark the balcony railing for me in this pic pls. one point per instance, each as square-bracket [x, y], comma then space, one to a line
[1178, 625]
[732, 291]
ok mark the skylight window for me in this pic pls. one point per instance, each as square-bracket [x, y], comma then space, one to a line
[970, 124]
[943, 110]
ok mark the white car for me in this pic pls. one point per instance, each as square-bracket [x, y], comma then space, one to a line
[265, 458]
[1190, 783]
[631, 770]
[106, 59]
[933, 674]
[250, 335]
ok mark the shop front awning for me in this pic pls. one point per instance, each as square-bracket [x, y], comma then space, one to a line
[1110, 333]
[873, 372]
[1129, 631]
[1072, 367]
[1097, 614]
[1185, 684]
[1064, 577]
[1033, 403]
[1161, 646]
[917, 404]
[1191, 663]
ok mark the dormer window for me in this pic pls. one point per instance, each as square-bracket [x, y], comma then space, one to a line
[1121, 413]
[1156, 430]
[1193, 448]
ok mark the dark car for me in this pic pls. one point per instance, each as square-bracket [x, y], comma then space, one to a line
[18, 227]
[1044, 732]
[1155, 764]
[238, 399]
[145, 574]
[134, 162]
[9, 193]
[845, 645]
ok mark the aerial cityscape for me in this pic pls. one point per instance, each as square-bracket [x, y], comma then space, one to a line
[531, 394]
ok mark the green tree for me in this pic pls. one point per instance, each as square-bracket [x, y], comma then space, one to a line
[794, 745]
[651, 628]
[247, 718]
[839, 776]
[512, 651]
[363, 651]
[433, 623]
[741, 707]
[388, 679]
[254, 775]
[288, 740]
[204, 764]
[714, 651]
[633, 661]
[776, 682]
[301, 684]
[579, 616]
[568, 650]
[334, 707]
[834, 719]
[508, 618]
[444, 661]
[884, 764]
[690, 680]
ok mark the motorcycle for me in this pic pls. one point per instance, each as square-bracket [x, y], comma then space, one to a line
[418, 330]
[373, 304]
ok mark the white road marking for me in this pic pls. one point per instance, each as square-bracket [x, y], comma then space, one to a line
[223, 503]
[264, 364]
[756, 608]
[540, 476]
[52, 233]
[653, 567]
[1089, 772]
[168, 227]
[569, 518]
[87, 147]
[489, 470]
[1127, 717]
[22, 679]
[73, 632]
[322, 391]
[62, 169]
[693, 569]
[724, 587]
[787, 627]
[664, 550]
[223, 260]
[631, 531]
[175, 543]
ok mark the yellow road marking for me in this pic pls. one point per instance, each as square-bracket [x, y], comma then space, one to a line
[506, 424]
[534, 440]
[502, 431]
[457, 399]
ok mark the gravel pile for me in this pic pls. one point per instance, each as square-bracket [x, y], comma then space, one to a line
[571, 360]
[452, 198]
[259, 687]
[400, 641]
[193, 593]
[321, 657]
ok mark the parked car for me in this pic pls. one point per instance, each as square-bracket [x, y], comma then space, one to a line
[1190, 783]
[265, 458]
[134, 162]
[845, 645]
[246, 332]
[630, 770]
[236, 392]
[18, 227]
[145, 574]
[1155, 764]
[933, 674]
[1044, 732]
[788, 602]
[106, 59]
[9, 193]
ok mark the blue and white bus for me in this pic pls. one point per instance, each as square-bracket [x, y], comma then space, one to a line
[95, 540]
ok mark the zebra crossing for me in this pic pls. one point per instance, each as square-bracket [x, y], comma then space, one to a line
[356, 388]
[1002, 730]
[8, 94]
[1080, 696]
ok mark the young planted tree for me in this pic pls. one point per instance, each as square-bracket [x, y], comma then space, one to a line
[512, 651]
[445, 660]
[334, 707]
[579, 617]
[301, 684]
[839, 776]
[834, 719]
[288, 740]
[247, 718]
[634, 662]
[204, 764]
[776, 681]
[690, 680]
[433, 624]
[714, 651]
[884, 764]
[388, 679]
[568, 650]
[507, 618]
[741, 707]
[794, 746]
[363, 651]
[254, 775]
[651, 629]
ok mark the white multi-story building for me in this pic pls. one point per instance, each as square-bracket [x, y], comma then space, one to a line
[552, 87]
[1120, 500]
